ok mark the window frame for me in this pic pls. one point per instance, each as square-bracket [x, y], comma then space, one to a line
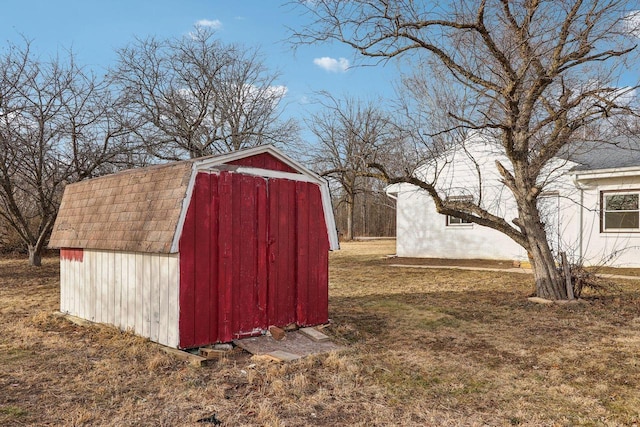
[604, 211]
[462, 223]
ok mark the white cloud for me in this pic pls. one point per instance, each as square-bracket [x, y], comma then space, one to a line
[632, 23]
[625, 96]
[216, 24]
[332, 65]
[273, 94]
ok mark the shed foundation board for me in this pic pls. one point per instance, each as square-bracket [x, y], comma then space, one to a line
[193, 359]
[295, 343]
[73, 319]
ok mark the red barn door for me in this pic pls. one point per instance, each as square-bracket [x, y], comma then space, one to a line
[253, 253]
[298, 254]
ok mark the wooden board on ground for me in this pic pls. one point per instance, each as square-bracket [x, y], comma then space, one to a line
[295, 343]
[73, 319]
[213, 353]
[314, 334]
[283, 356]
[193, 359]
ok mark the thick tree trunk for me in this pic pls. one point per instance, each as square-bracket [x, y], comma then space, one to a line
[35, 255]
[549, 282]
[350, 202]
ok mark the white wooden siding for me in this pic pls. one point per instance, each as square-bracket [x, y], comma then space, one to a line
[128, 290]
[422, 232]
[618, 249]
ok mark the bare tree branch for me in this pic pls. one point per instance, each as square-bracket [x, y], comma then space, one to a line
[196, 96]
[534, 76]
[57, 125]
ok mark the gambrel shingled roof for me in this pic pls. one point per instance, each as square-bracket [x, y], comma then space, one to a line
[141, 210]
[134, 211]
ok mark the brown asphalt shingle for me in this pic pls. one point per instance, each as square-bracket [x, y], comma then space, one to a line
[134, 211]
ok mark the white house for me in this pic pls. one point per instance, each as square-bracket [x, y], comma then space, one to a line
[590, 203]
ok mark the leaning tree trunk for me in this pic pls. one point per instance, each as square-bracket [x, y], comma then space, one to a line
[549, 282]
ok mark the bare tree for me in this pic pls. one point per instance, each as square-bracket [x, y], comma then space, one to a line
[56, 126]
[534, 75]
[196, 96]
[351, 134]
[373, 213]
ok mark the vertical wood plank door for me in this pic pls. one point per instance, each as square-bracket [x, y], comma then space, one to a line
[298, 255]
[249, 244]
[195, 259]
[281, 289]
[253, 253]
[312, 257]
[222, 249]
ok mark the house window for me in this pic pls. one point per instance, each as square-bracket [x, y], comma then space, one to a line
[453, 220]
[620, 211]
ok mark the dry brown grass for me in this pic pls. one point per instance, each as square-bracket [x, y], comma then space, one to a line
[426, 347]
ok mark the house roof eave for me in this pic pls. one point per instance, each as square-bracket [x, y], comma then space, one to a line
[586, 175]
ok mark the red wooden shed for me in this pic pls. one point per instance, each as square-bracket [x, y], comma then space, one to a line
[201, 251]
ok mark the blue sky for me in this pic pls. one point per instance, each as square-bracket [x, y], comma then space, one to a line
[95, 29]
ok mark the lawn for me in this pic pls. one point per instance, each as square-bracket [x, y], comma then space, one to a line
[424, 347]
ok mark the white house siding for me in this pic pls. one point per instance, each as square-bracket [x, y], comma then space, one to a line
[472, 171]
[596, 248]
[570, 204]
[128, 290]
[468, 171]
[422, 232]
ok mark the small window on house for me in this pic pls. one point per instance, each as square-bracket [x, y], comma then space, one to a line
[452, 220]
[620, 212]
[455, 221]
